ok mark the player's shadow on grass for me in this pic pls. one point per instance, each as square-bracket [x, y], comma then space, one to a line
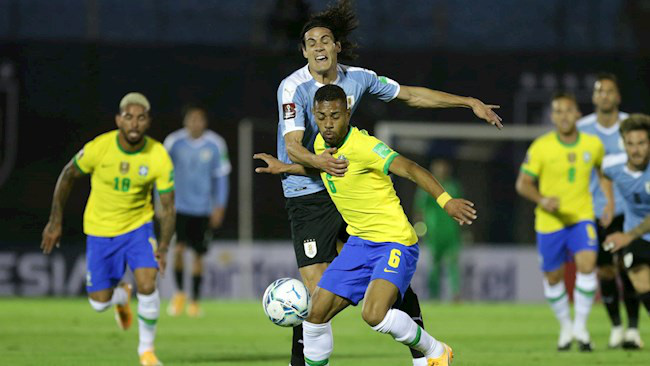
[264, 357]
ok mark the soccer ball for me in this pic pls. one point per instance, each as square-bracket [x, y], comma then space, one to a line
[286, 302]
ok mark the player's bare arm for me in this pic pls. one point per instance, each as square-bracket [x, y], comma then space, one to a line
[527, 188]
[459, 209]
[619, 240]
[275, 166]
[420, 97]
[300, 155]
[607, 188]
[64, 184]
[167, 225]
[216, 217]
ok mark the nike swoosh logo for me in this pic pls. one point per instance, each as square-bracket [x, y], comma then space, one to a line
[389, 271]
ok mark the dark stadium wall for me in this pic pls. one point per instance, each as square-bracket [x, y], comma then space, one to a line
[69, 93]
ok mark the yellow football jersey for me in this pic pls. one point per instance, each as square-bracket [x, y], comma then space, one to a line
[121, 183]
[563, 171]
[365, 196]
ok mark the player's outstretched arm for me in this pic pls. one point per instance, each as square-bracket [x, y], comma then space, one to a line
[527, 188]
[608, 190]
[64, 184]
[420, 97]
[459, 209]
[167, 225]
[300, 155]
[275, 166]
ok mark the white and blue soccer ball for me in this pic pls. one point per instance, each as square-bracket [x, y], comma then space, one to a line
[286, 302]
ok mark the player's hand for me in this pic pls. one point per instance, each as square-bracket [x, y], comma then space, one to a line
[461, 210]
[216, 218]
[550, 204]
[616, 241]
[486, 112]
[51, 237]
[607, 216]
[161, 258]
[274, 166]
[331, 165]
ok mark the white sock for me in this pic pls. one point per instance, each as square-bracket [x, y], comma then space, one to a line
[583, 298]
[119, 298]
[318, 343]
[404, 330]
[148, 312]
[422, 361]
[559, 301]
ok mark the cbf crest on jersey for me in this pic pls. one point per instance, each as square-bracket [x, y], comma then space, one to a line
[124, 167]
[143, 170]
[310, 248]
[571, 157]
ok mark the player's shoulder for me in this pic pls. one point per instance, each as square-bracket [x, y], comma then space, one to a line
[174, 137]
[355, 70]
[614, 162]
[297, 78]
[105, 137]
[215, 139]
[546, 139]
[587, 122]
[155, 146]
[590, 139]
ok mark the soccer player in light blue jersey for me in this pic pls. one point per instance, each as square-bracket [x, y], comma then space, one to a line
[202, 169]
[316, 226]
[604, 123]
[630, 172]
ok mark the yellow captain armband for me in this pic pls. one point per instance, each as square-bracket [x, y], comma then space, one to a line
[443, 199]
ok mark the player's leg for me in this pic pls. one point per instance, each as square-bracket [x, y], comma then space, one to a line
[632, 336]
[199, 242]
[607, 273]
[105, 268]
[636, 258]
[640, 277]
[177, 302]
[315, 225]
[552, 250]
[317, 329]
[141, 260]
[583, 242]
[393, 270]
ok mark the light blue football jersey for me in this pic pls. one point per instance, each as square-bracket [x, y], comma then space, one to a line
[295, 101]
[613, 142]
[634, 188]
[201, 168]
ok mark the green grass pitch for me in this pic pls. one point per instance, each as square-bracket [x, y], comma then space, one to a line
[68, 332]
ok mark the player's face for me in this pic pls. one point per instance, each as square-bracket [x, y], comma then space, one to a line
[196, 122]
[320, 50]
[637, 147]
[133, 122]
[606, 97]
[333, 119]
[564, 114]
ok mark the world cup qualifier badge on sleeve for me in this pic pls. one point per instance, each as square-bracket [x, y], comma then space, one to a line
[289, 110]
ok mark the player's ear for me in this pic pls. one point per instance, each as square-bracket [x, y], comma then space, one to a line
[304, 51]
[117, 120]
[338, 47]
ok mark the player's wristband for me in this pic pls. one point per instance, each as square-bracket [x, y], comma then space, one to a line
[443, 199]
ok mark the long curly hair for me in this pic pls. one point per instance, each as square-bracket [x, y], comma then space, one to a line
[341, 20]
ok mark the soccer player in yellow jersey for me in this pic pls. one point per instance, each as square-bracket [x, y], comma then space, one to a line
[379, 259]
[124, 165]
[555, 175]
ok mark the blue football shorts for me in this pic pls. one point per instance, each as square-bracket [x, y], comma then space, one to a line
[362, 261]
[557, 247]
[107, 257]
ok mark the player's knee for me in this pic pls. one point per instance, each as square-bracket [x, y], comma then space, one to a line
[147, 287]
[607, 272]
[373, 315]
[99, 306]
[554, 278]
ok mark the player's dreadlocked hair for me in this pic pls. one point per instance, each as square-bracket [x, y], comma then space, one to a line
[341, 20]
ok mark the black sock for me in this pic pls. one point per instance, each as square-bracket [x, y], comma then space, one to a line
[645, 299]
[179, 279]
[196, 286]
[297, 356]
[411, 306]
[609, 294]
[631, 301]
